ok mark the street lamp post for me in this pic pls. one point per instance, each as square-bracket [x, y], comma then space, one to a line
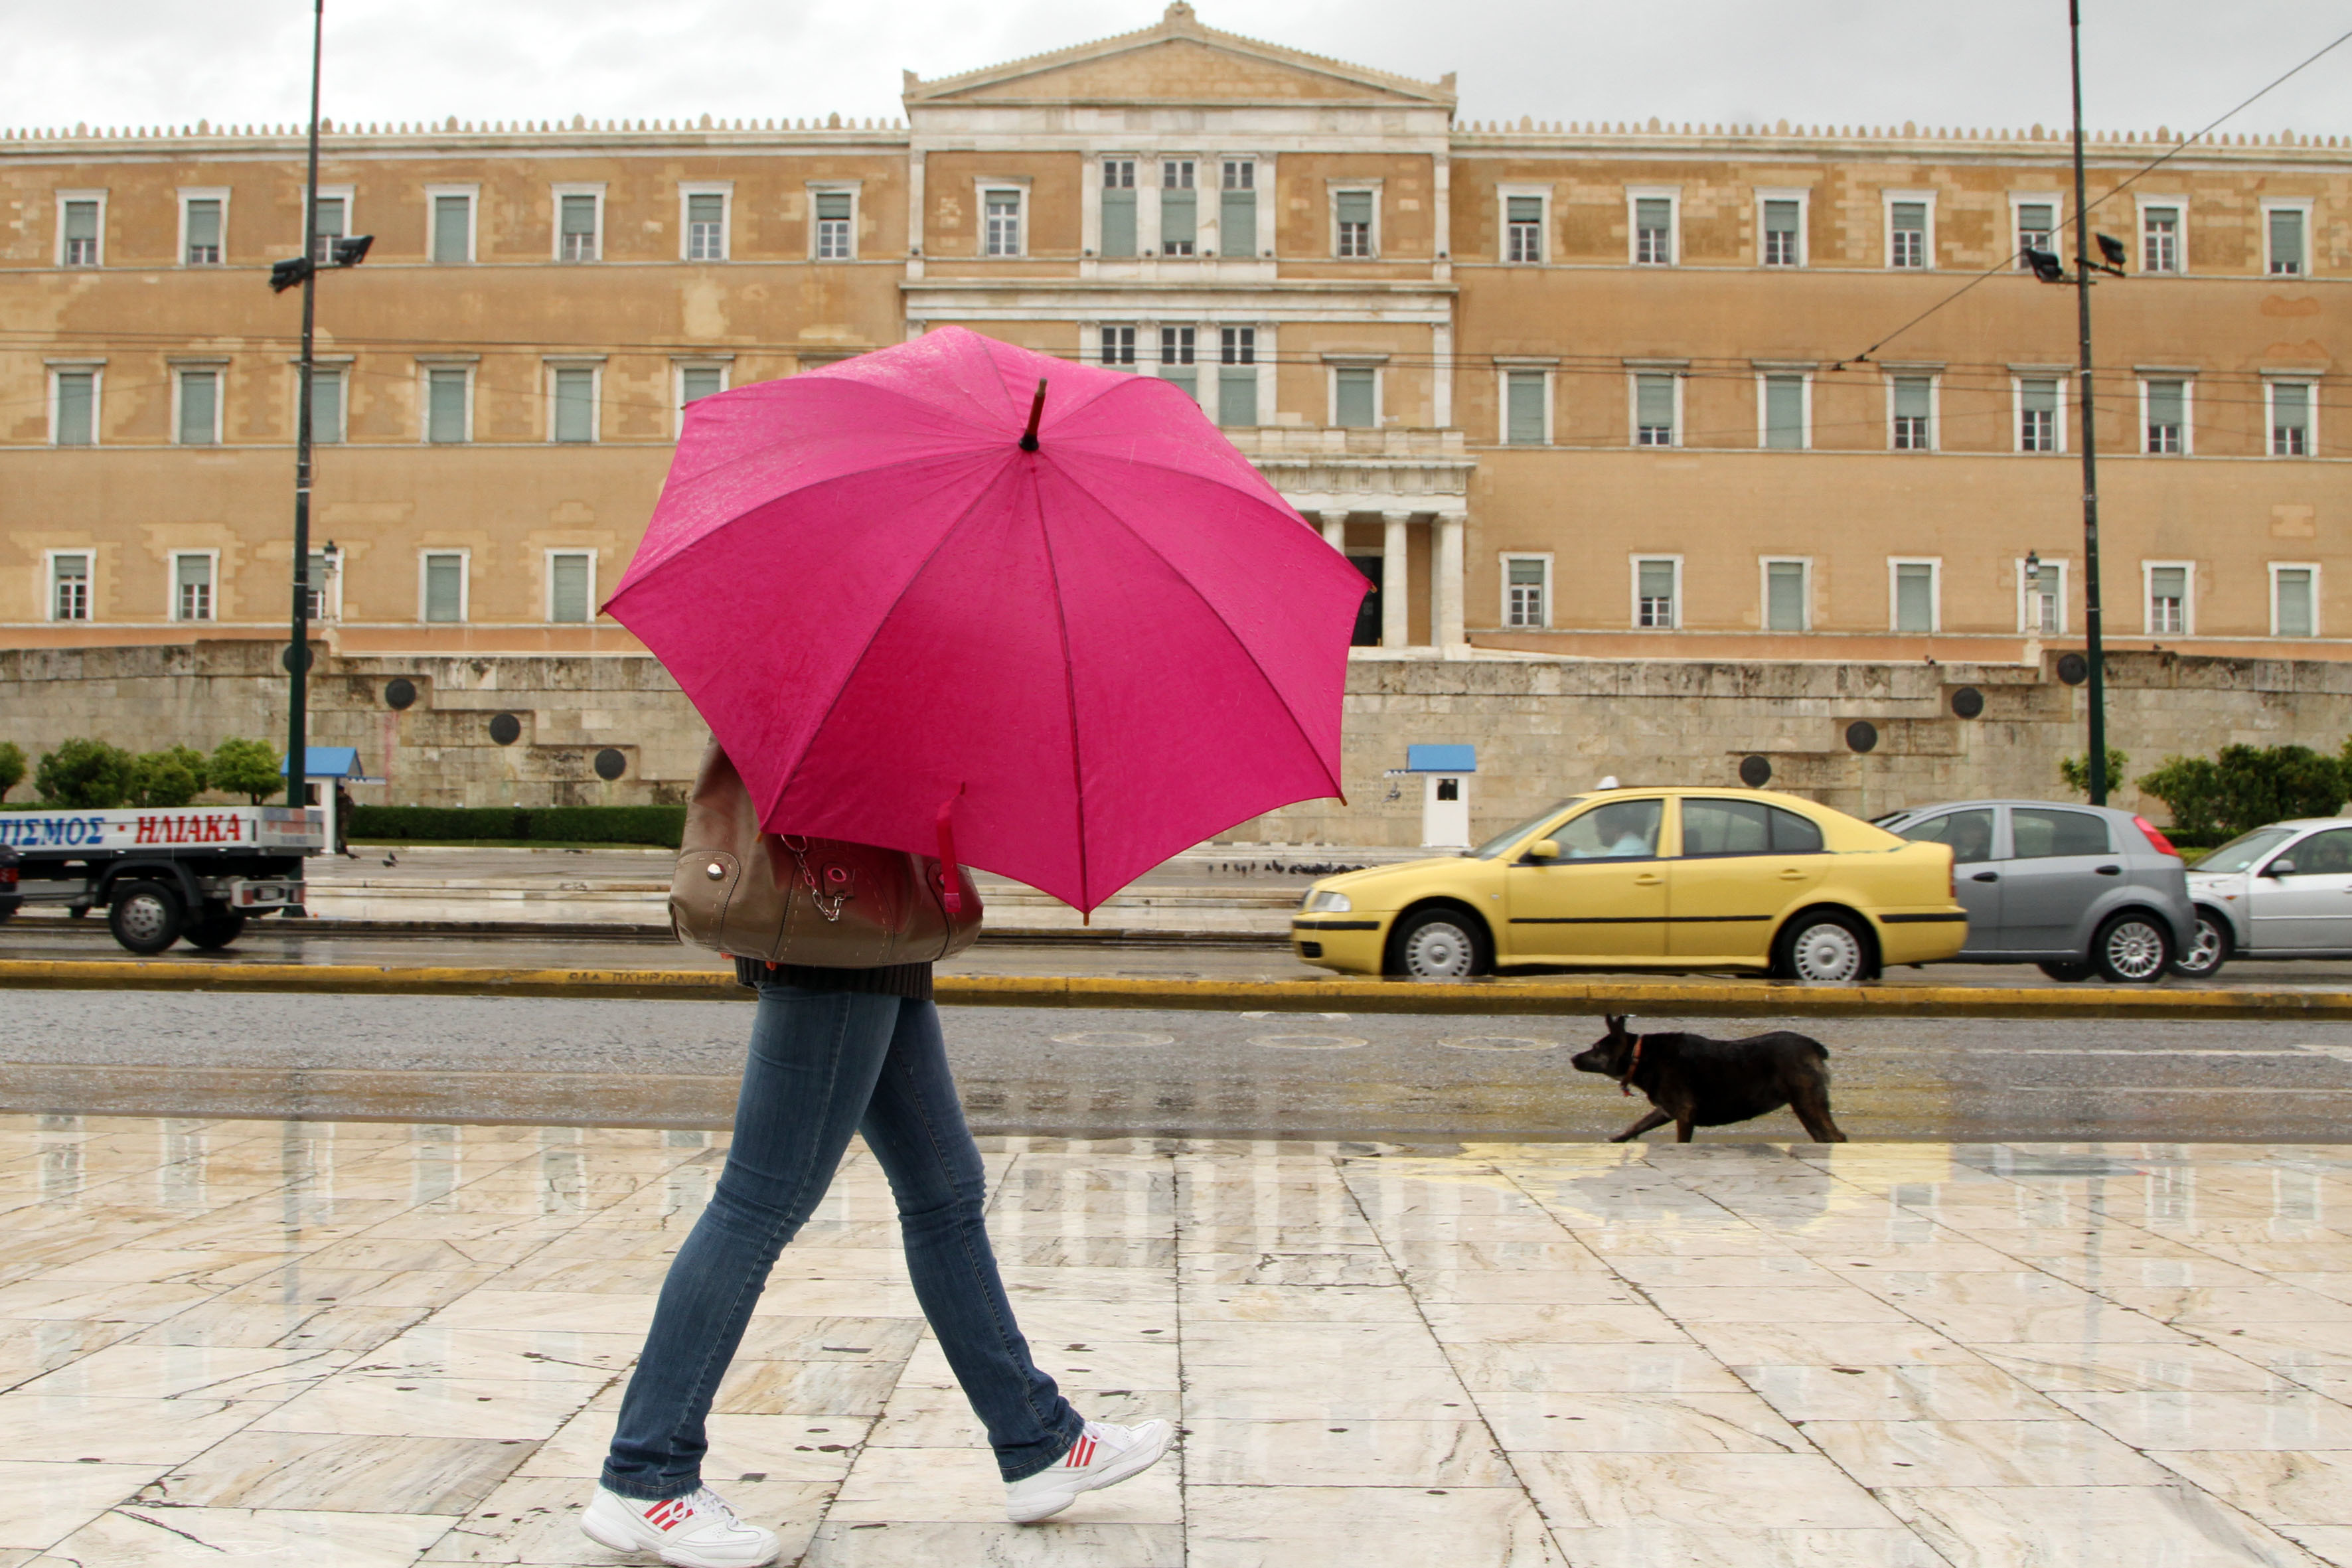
[2093, 627]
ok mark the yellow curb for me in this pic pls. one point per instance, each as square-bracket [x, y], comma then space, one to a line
[1690, 998]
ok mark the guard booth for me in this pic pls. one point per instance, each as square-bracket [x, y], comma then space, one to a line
[327, 770]
[1445, 773]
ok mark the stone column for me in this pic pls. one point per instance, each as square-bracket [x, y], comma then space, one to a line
[1396, 625]
[1335, 529]
[1445, 603]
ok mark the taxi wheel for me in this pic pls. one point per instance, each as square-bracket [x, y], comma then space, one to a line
[2211, 949]
[2132, 949]
[216, 929]
[1825, 949]
[1439, 945]
[145, 916]
[2062, 968]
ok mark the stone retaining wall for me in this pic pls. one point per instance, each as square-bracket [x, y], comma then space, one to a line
[1543, 727]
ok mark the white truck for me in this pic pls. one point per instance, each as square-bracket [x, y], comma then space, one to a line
[162, 874]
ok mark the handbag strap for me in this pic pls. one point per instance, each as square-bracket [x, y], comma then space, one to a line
[950, 874]
[799, 847]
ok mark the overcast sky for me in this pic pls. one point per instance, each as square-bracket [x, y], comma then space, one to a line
[1993, 63]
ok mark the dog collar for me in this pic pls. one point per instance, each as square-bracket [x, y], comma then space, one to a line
[1624, 1085]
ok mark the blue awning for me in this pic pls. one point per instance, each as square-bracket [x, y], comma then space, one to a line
[327, 763]
[1441, 759]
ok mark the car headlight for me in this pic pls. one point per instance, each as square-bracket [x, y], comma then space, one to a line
[1319, 902]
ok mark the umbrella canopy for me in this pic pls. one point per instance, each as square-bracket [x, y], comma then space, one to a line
[1103, 650]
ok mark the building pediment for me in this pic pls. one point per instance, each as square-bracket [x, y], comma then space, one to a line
[1177, 61]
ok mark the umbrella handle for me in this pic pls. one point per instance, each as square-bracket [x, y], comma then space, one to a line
[1036, 412]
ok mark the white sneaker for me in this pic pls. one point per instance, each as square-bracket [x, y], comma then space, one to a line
[697, 1531]
[1103, 1455]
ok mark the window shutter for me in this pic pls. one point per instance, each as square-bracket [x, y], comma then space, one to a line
[326, 405]
[1237, 394]
[699, 381]
[1915, 597]
[1355, 206]
[706, 208]
[1118, 216]
[452, 216]
[1655, 402]
[567, 587]
[1526, 424]
[445, 587]
[191, 572]
[1658, 581]
[579, 228]
[1179, 220]
[445, 412]
[2290, 405]
[82, 221]
[2294, 616]
[1784, 413]
[575, 409]
[1911, 217]
[199, 404]
[2036, 218]
[77, 399]
[1237, 222]
[2039, 397]
[331, 217]
[2286, 241]
[1780, 218]
[830, 205]
[1912, 396]
[1526, 209]
[1355, 388]
[205, 228]
[1653, 213]
[2165, 402]
[1784, 596]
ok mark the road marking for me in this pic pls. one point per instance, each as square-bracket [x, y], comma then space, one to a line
[2341, 1053]
[1309, 1042]
[2141, 1089]
[1112, 1038]
[1500, 1043]
[1263, 1013]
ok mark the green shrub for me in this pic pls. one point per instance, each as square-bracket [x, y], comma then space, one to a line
[2076, 772]
[248, 768]
[173, 776]
[84, 773]
[2242, 787]
[12, 766]
[654, 824]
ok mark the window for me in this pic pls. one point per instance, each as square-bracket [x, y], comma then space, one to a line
[200, 220]
[574, 419]
[1969, 833]
[1119, 206]
[571, 585]
[575, 236]
[1658, 593]
[1526, 591]
[2165, 408]
[2167, 597]
[2041, 603]
[1524, 418]
[78, 225]
[326, 402]
[2037, 226]
[705, 225]
[1001, 223]
[2043, 832]
[1237, 209]
[1784, 413]
[1914, 592]
[1653, 231]
[2294, 601]
[333, 224]
[1745, 828]
[2160, 236]
[191, 585]
[1914, 401]
[453, 227]
[696, 382]
[1176, 360]
[1654, 397]
[69, 587]
[1351, 216]
[314, 586]
[1355, 397]
[1784, 218]
[1180, 216]
[2037, 414]
[1788, 596]
[2284, 230]
[1906, 234]
[1620, 830]
[1237, 375]
[2290, 404]
[199, 421]
[74, 416]
[447, 399]
[836, 215]
[1523, 229]
[1118, 345]
[443, 590]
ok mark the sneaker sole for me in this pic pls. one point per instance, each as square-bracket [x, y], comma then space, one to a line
[637, 1547]
[1127, 1469]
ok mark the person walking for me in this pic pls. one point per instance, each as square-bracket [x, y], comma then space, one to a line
[832, 1052]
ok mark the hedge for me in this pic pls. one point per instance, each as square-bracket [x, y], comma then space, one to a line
[660, 825]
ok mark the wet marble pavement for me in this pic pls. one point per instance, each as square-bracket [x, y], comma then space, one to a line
[380, 1343]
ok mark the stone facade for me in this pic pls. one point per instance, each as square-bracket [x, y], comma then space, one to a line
[1543, 727]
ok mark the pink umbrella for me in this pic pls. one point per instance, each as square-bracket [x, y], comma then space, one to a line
[1099, 642]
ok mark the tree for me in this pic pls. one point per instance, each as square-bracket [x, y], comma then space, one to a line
[173, 776]
[12, 767]
[248, 768]
[2242, 787]
[2076, 772]
[83, 774]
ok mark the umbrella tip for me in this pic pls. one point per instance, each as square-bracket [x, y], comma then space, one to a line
[1036, 412]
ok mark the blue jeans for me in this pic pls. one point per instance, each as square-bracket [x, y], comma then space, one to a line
[826, 1064]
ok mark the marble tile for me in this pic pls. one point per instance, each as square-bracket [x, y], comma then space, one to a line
[386, 1407]
[1365, 1526]
[1692, 1306]
[1921, 1391]
[535, 1520]
[1656, 1368]
[320, 1471]
[2201, 1420]
[512, 1355]
[1338, 1347]
[1761, 1491]
[1346, 1453]
[1638, 1424]
[962, 1485]
[1731, 1546]
[1981, 1453]
[180, 1537]
[1310, 1393]
[1771, 1270]
[805, 1387]
[587, 1312]
[2088, 1527]
[2277, 1486]
[2130, 1369]
[1550, 1324]
[132, 1301]
[998, 1544]
[70, 1428]
[841, 1339]
[1828, 1344]
[1298, 1304]
[796, 1448]
[49, 1501]
[943, 1418]
[168, 1372]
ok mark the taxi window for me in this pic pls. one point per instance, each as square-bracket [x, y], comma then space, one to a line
[2326, 853]
[1620, 830]
[1504, 840]
[2041, 834]
[1969, 833]
[1794, 834]
[1745, 828]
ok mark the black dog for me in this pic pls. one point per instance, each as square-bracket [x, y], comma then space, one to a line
[1692, 1082]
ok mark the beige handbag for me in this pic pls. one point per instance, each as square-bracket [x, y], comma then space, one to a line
[819, 901]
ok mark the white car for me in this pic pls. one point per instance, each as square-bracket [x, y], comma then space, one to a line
[2281, 891]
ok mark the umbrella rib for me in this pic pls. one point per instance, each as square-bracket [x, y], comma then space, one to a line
[1248, 652]
[1070, 694]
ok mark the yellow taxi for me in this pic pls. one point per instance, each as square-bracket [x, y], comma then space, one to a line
[1650, 878]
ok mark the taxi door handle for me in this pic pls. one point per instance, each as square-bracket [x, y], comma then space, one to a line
[2110, 871]
[1791, 874]
[1986, 876]
[1648, 879]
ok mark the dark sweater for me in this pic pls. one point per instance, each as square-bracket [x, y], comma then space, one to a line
[912, 981]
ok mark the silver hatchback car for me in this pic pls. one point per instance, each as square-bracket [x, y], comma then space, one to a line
[2078, 889]
[2281, 891]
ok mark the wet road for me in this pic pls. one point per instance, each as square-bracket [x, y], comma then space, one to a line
[1410, 1077]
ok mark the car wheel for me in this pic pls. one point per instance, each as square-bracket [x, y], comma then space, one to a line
[2132, 949]
[2067, 970]
[1824, 949]
[145, 916]
[216, 929]
[1439, 945]
[2210, 950]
